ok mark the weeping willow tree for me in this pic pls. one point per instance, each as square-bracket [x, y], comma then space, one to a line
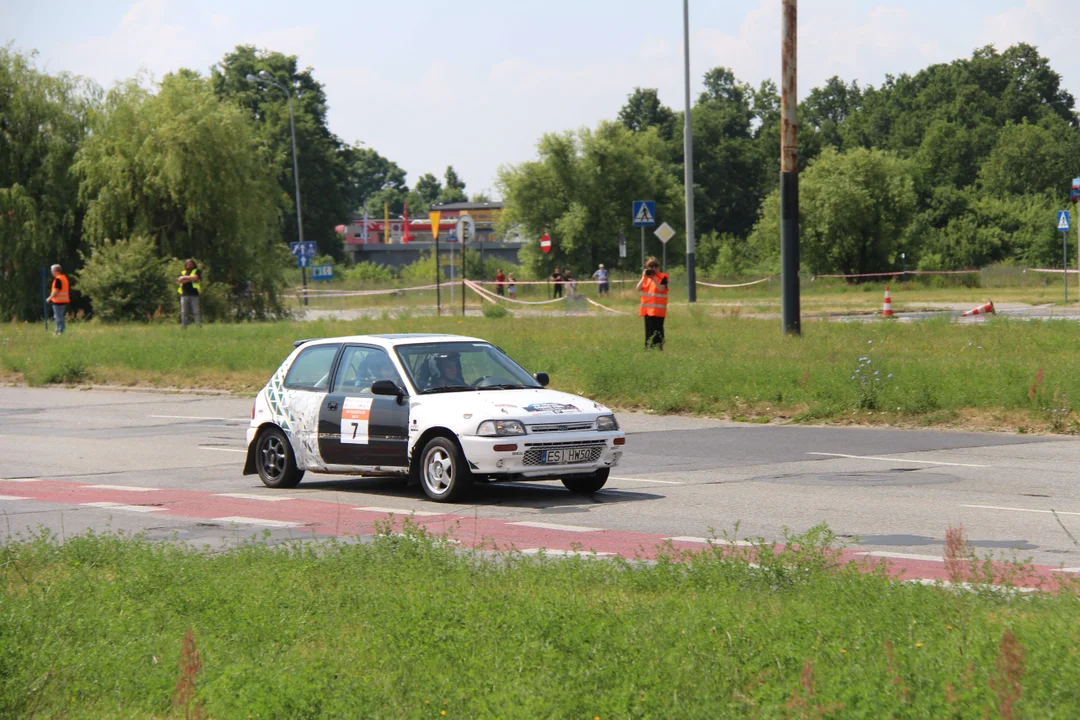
[43, 118]
[180, 165]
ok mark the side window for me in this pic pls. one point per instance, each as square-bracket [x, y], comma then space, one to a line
[311, 368]
[362, 366]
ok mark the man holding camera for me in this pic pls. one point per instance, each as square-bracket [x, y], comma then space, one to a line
[653, 287]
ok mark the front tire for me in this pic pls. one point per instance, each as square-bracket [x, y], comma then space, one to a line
[275, 460]
[585, 484]
[444, 472]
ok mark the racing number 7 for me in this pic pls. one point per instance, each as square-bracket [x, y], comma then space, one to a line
[355, 426]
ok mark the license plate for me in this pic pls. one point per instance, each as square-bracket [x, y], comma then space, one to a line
[562, 456]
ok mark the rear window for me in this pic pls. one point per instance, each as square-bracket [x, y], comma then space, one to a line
[311, 368]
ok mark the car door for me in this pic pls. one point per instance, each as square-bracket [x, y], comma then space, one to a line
[357, 427]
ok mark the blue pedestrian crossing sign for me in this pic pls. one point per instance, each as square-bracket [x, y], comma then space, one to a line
[1063, 220]
[644, 213]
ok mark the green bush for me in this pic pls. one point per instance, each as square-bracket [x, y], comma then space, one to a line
[125, 280]
[494, 310]
[369, 271]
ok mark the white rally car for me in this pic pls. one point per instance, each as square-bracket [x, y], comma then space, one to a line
[443, 409]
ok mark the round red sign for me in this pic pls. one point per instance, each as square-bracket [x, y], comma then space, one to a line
[545, 243]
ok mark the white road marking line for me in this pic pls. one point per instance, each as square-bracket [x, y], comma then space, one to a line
[565, 553]
[21, 480]
[122, 506]
[554, 526]
[896, 459]
[256, 521]
[901, 556]
[648, 480]
[246, 496]
[711, 541]
[398, 511]
[199, 417]
[12, 497]
[126, 488]
[1015, 509]
[221, 449]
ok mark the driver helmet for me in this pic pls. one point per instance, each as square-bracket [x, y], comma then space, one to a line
[376, 367]
[445, 363]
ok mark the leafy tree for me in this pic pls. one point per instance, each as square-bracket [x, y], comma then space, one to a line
[374, 180]
[827, 108]
[480, 197]
[187, 169]
[427, 189]
[42, 120]
[454, 190]
[1032, 159]
[580, 191]
[327, 191]
[644, 110]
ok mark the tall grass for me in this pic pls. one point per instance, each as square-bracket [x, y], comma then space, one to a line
[112, 626]
[1005, 371]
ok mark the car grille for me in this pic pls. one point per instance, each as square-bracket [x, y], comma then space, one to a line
[534, 451]
[560, 427]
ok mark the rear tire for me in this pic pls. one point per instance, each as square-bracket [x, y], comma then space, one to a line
[275, 460]
[585, 484]
[444, 472]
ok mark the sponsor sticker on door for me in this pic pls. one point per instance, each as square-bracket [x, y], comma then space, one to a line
[355, 414]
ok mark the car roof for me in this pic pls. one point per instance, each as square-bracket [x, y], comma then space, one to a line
[390, 340]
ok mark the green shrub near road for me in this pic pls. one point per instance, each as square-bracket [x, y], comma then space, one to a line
[1002, 373]
[408, 627]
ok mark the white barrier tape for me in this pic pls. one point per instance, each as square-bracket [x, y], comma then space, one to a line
[1058, 272]
[605, 307]
[317, 293]
[489, 294]
[901, 272]
[479, 291]
[546, 282]
[756, 282]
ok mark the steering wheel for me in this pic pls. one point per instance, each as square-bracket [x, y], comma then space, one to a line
[499, 380]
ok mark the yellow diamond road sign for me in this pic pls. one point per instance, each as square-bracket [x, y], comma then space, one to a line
[665, 233]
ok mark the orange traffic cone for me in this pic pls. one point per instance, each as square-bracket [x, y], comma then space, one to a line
[887, 312]
[986, 309]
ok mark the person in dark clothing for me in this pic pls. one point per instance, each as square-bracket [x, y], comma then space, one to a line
[557, 281]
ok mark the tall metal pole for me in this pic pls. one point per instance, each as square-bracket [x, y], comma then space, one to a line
[296, 178]
[1065, 263]
[688, 164]
[789, 171]
[642, 248]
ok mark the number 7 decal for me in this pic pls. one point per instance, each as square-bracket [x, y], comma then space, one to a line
[355, 413]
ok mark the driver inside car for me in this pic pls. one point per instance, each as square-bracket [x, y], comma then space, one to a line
[449, 367]
[376, 367]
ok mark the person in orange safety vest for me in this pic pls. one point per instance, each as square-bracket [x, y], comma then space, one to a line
[653, 286]
[60, 297]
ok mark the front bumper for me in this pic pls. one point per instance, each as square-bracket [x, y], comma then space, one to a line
[525, 460]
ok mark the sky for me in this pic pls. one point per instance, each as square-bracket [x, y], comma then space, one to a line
[476, 83]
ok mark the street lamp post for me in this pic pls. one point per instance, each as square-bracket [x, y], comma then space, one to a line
[264, 78]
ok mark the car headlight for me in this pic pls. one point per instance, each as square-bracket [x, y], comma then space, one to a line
[606, 422]
[496, 428]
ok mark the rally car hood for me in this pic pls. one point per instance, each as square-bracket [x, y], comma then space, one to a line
[528, 405]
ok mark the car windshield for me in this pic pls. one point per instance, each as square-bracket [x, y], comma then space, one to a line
[461, 366]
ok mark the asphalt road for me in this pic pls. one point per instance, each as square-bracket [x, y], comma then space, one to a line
[894, 491]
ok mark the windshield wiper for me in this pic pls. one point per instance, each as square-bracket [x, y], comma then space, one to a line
[502, 387]
[452, 388]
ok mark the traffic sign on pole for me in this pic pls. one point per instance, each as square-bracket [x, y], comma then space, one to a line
[302, 261]
[435, 217]
[322, 272]
[1063, 220]
[664, 232]
[303, 249]
[545, 243]
[622, 245]
[644, 213]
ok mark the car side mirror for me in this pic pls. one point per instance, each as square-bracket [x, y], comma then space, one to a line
[541, 378]
[386, 387]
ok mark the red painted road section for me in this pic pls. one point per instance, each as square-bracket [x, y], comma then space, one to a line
[319, 517]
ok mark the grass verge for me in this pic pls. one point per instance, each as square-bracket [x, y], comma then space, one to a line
[108, 626]
[1004, 374]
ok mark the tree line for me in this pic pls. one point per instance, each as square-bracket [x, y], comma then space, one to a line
[960, 165]
[196, 165]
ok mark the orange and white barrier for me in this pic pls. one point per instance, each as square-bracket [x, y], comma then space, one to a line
[887, 309]
[740, 285]
[987, 309]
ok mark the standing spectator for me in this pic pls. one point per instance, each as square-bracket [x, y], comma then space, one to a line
[189, 293]
[571, 284]
[601, 280]
[556, 282]
[654, 296]
[500, 282]
[60, 297]
[511, 290]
